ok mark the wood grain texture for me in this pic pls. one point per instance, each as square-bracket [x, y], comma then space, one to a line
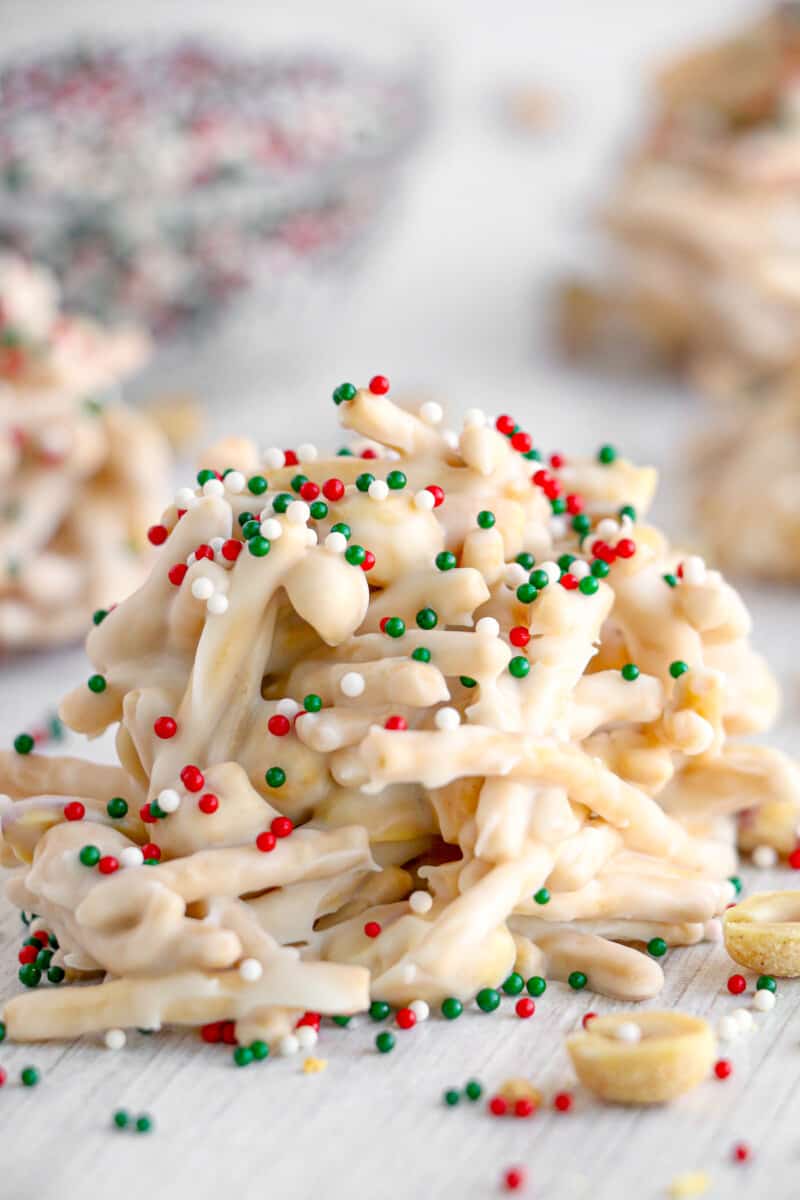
[445, 302]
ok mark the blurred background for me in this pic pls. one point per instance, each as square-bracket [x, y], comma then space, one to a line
[416, 222]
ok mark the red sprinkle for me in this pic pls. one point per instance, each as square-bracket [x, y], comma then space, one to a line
[524, 1107]
[541, 477]
[310, 1018]
[405, 1018]
[289, 458]
[74, 811]
[310, 490]
[505, 424]
[208, 803]
[204, 551]
[229, 1033]
[192, 778]
[165, 727]
[279, 725]
[396, 723]
[27, 954]
[151, 850]
[741, 1152]
[514, 1178]
[590, 1016]
[498, 1106]
[231, 549]
[737, 984]
[557, 461]
[157, 534]
[522, 442]
[333, 489]
[525, 1007]
[369, 453]
[379, 385]
[369, 561]
[281, 827]
[562, 1101]
[626, 548]
[41, 936]
[437, 493]
[3, 1076]
[146, 815]
[108, 864]
[177, 574]
[723, 1068]
[372, 929]
[794, 859]
[568, 581]
[266, 841]
[575, 503]
[519, 636]
[552, 489]
[211, 1033]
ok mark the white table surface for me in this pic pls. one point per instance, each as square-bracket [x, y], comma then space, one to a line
[452, 298]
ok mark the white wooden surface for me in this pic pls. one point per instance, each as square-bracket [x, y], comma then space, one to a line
[452, 299]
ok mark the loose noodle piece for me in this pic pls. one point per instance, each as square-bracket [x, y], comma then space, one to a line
[80, 475]
[350, 703]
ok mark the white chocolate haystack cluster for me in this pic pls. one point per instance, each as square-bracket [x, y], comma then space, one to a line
[390, 726]
[706, 218]
[80, 474]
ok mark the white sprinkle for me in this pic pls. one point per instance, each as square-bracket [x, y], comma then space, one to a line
[273, 458]
[712, 930]
[311, 537]
[169, 800]
[474, 418]
[352, 684]
[424, 500]
[250, 969]
[378, 489]
[558, 528]
[431, 412]
[191, 559]
[409, 973]
[450, 438]
[488, 626]
[515, 574]
[764, 1000]
[115, 1039]
[694, 570]
[185, 498]
[288, 1045]
[234, 482]
[202, 587]
[580, 568]
[217, 604]
[420, 902]
[131, 856]
[728, 1028]
[744, 1019]
[216, 544]
[271, 528]
[553, 570]
[307, 453]
[764, 857]
[628, 1031]
[213, 487]
[298, 512]
[447, 718]
[336, 542]
[607, 528]
[420, 1009]
[306, 1037]
[729, 893]
[288, 707]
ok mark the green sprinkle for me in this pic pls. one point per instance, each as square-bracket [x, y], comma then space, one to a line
[23, 743]
[281, 502]
[343, 1022]
[630, 672]
[243, 1056]
[533, 455]
[385, 1041]
[121, 1118]
[379, 1010]
[29, 1076]
[427, 618]
[421, 654]
[606, 455]
[526, 593]
[542, 896]
[259, 1050]
[251, 529]
[657, 947]
[43, 959]
[526, 560]
[319, 510]
[627, 510]
[144, 1123]
[275, 777]
[519, 666]
[445, 560]
[396, 480]
[514, 984]
[672, 580]
[30, 975]
[766, 983]
[89, 856]
[536, 986]
[600, 569]
[355, 555]
[678, 668]
[577, 980]
[588, 585]
[2, 1031]
[539, 579]
[157, 811]
[56, 974]
[204, 476]
[473, 1090]
[342, 528]
[558, 506]
[452, 1097]
[344, 452]
[486, 519]
[99, 615]
[343, 393]
[395, 627]
[488, 999]
[96, 684]
[312, 702]
[117, 808]
[243, 518]
[257, 485]
[364, 480]
[452, 1008]
[259, 546]
[297, 481]
[581, 524]
[565, 561]
[467, 681]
